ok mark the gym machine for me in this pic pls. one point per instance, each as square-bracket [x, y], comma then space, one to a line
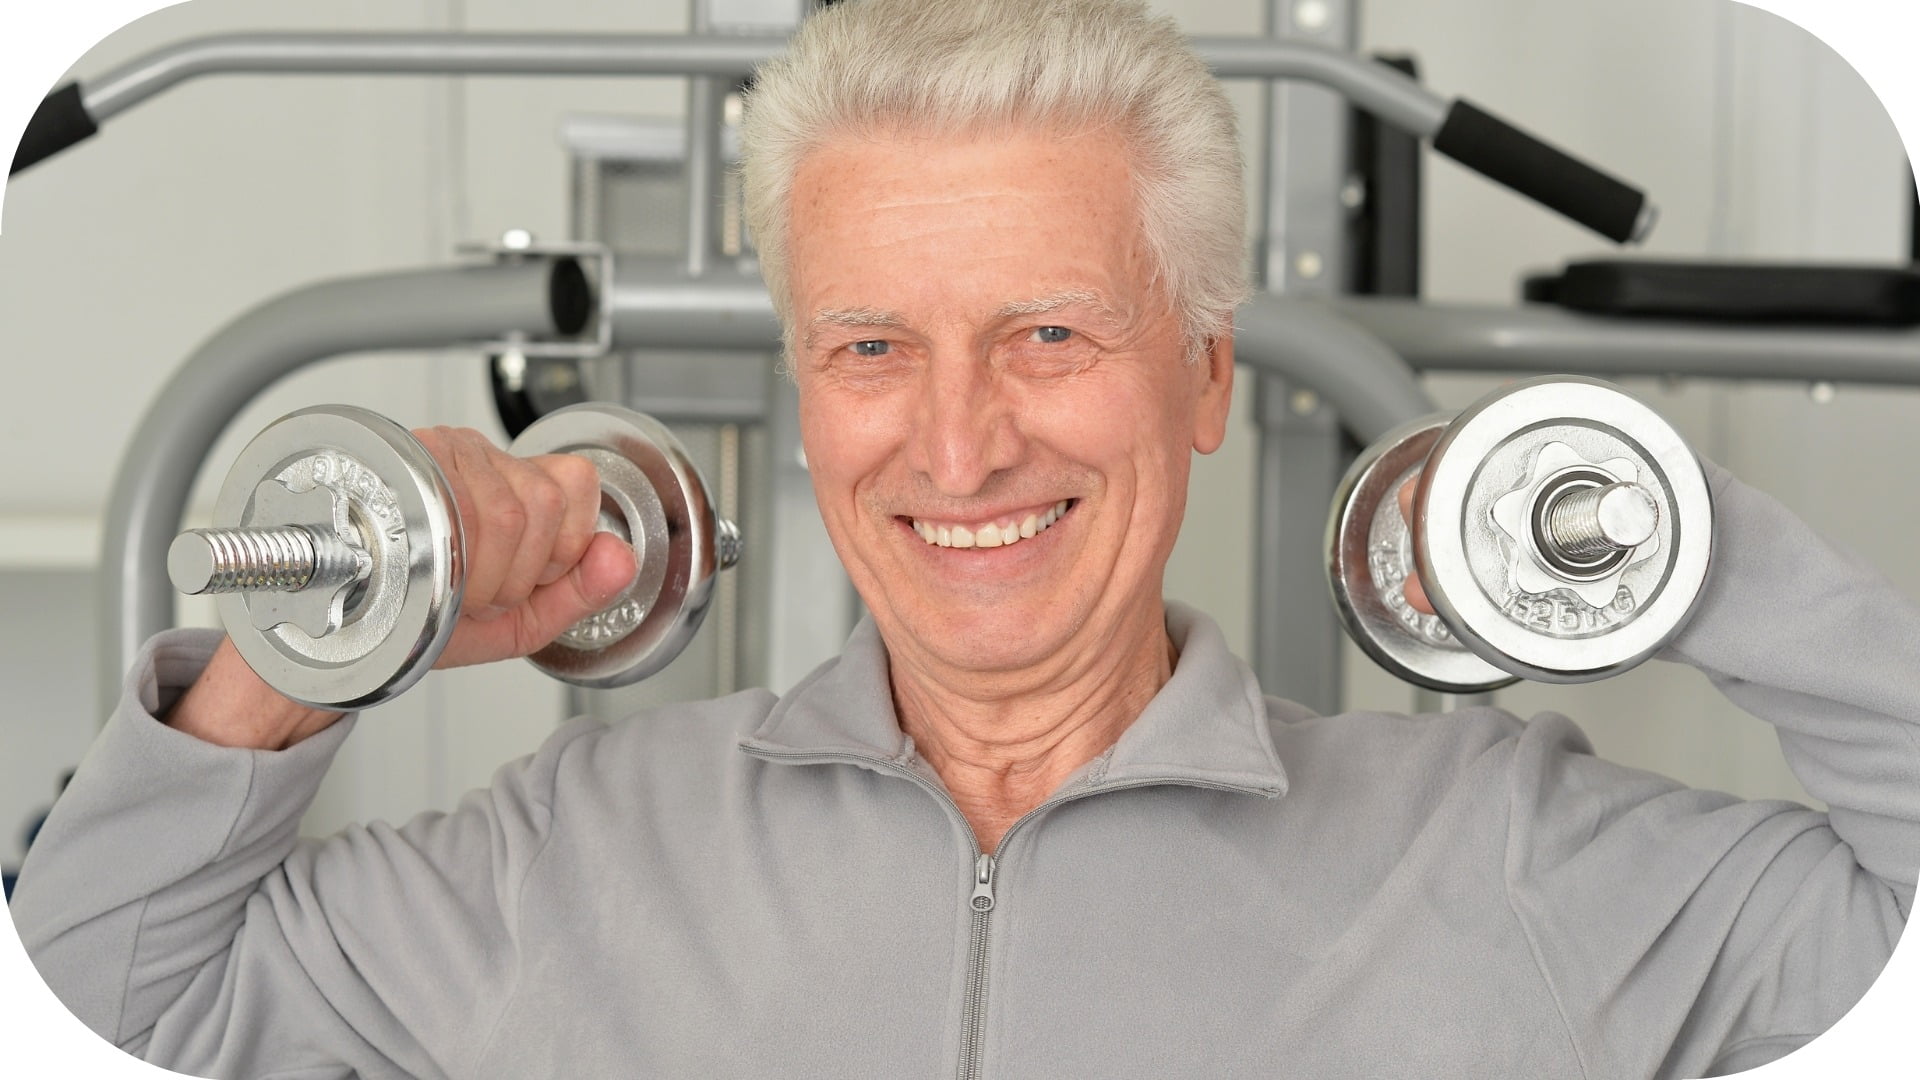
[664, 305]
[1459, 129]
[1327, 365]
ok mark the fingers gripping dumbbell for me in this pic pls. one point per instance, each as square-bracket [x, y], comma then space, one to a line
[1561, 529]
[338, 555]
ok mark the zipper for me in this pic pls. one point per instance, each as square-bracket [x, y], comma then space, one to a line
[981, 902]
[973, 1013]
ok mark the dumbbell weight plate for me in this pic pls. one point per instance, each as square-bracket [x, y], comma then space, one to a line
[652, 496]
[1370, 554]
[1471, 530]
[398, 504]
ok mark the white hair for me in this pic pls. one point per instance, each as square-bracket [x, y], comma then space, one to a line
[964, 66]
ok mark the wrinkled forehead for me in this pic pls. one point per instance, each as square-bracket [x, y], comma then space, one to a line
[1050, 216]
[909, 151]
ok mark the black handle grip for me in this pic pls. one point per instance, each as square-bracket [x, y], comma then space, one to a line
[59, 122]
[1555, 179]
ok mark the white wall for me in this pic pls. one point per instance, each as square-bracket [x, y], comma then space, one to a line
[121, 255]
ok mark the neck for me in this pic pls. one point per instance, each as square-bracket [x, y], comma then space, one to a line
[1002, 750]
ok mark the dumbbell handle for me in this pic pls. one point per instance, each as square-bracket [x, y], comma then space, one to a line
[290, 558]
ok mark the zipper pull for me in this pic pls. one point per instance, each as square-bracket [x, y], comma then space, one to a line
[982, 901]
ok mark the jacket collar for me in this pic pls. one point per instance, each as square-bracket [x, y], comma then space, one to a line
[1208, 725]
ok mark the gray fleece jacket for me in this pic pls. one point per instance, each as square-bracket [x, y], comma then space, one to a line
[761, 886]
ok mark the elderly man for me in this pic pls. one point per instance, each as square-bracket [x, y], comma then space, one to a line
[1033, 822]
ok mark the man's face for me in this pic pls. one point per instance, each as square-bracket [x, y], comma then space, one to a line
[980, 346]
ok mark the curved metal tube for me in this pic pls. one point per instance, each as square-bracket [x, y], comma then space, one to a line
[1392, 96]
[423, 54]
[414, 309]
[1369, 387]
[1395, 98]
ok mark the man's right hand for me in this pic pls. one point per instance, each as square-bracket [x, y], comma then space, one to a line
[534, 566]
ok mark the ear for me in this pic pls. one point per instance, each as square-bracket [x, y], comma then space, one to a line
[1216, 395]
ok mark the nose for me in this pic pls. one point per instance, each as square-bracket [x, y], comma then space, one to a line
[966, 425]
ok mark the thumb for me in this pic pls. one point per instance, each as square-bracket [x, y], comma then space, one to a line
[603, 573]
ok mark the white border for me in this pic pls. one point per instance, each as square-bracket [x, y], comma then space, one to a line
[39, 39]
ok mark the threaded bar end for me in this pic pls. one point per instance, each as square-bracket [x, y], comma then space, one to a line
[727, 543]
[1598, 521]
[242, 560]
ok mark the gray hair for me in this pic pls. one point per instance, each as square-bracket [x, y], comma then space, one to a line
[962, 66]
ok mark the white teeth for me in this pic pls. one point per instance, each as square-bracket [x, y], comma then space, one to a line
[992, 534]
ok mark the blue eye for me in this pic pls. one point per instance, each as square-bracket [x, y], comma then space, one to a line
[871, 348]
[1051, 335]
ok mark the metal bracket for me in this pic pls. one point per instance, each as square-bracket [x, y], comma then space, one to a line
[519, 246]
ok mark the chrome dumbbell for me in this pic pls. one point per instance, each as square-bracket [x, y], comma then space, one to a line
[337, 553]
[1562, 529]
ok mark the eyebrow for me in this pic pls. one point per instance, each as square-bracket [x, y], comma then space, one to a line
[862, 318]
[854, 318]
[1042, 305]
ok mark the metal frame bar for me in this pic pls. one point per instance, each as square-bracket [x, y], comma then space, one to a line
[453, 53]
[433, 308]
[703, 170]
[1386, 93]
[1360, 355]
[656, 305]
[1541, 340]
[705, 94]
[1306, 236]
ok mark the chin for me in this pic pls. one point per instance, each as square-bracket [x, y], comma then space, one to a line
[991, 638]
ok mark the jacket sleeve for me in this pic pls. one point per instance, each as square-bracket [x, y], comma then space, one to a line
[169, 902]
[1687, 933]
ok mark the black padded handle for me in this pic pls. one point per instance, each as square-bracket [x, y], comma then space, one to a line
[59, 122]
[1555, 179]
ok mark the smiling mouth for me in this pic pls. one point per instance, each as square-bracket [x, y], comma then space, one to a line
[990, 534]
